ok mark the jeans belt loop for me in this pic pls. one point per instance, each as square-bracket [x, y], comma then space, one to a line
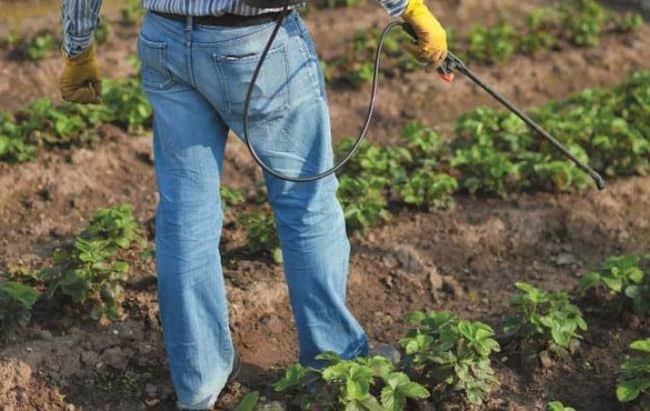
[189, 24]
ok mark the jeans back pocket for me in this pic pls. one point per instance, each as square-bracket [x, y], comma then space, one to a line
[153, 56]
[271, 92]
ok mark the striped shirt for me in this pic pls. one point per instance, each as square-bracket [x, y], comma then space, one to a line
[80, 17]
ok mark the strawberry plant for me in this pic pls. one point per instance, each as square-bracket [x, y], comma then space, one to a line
[13, 147]
[355, 65]
[452, 356]
[426, 187]
[16, 301]
[540, 35]
[8, 42]
[364, 201]
[116, 225]
[583, 19]
[102, 32]
[630, 22]
[424, 183]
[230, 197]
[494, 44]
[409, 173]
[484, 169]
[634, 376]
[249, 402]
[359, 73]
[624, 277]
[39, 45]
[131, 12]
[364, 383]
[89, 272]
[423, 143]
[261, 234]
[543, 321]
[128, 104]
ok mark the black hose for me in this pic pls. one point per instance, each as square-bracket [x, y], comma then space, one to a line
[364, 128]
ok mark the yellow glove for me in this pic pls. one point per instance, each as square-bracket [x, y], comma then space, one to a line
[432, 38]
[80, 81]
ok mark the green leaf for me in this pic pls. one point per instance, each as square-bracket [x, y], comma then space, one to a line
[627, 391]
[294, 376]
[641, 345]
[249, 402]
[328, 356]
[370, 403]
[26, 296]
[558, 406]
[414, 390]
[614, 283]
[339, 370]
[589, 280]
[391, 400]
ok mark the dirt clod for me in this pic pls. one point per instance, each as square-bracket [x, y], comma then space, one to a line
[272, 406]
[15, 377]
[89, 358]
[150, 390]
[564, 259]
[409, 259]
[546, 360]
[116, 357]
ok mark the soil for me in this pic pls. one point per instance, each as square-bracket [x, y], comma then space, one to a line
[464, 260]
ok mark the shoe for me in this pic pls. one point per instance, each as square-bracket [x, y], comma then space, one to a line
[234, 373]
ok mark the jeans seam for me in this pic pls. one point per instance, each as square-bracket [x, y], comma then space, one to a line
[309, 59]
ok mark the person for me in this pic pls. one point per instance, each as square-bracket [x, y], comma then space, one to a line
[197, 61]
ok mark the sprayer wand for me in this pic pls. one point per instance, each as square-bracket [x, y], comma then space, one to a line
[453, 63]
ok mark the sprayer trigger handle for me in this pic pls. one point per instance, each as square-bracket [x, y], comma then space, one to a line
[448, 77]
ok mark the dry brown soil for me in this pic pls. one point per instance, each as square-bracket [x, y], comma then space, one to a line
[480, 248]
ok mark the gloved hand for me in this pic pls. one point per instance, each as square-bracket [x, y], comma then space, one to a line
[80, 82]
[431, 37]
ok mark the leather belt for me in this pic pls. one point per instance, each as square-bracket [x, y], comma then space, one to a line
[226, 20]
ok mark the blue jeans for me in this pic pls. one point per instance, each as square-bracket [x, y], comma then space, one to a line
[196, 79]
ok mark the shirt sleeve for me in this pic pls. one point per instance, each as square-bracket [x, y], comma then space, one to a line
[394, 7]
[79, 19]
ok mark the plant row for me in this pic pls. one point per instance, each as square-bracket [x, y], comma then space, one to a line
[448, 359]
[578, 23]
[492, 152]
[43, 124]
